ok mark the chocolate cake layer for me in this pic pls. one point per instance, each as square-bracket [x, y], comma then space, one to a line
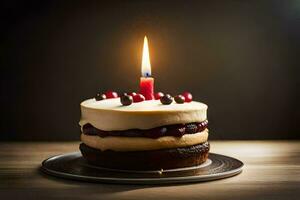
[147, 160]
[176, 130]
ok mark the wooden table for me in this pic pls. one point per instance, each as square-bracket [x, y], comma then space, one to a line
[272, 171]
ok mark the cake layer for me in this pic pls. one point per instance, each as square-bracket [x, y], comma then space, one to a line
[141, 143]
[110, 115]
[177, 130]
[147, 160]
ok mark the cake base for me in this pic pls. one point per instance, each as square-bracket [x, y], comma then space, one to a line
[147, 160]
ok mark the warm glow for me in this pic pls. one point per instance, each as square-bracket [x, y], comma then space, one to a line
[146, 66]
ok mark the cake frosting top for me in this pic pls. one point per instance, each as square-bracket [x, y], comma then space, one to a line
[111, 115]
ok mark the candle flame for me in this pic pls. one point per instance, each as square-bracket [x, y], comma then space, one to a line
[146, 66]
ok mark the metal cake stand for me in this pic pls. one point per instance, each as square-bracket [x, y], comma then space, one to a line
[73, 166]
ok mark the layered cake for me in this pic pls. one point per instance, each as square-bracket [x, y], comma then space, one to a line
[130, 133]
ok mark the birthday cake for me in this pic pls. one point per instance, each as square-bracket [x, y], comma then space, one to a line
[144, 131]
[129, 132]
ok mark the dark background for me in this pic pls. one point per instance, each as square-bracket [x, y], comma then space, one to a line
[239, 57]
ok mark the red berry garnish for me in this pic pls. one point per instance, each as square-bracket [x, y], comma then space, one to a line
[158, 95]
[138, 98]
[132, 94]
[111, 94]
[188, 96]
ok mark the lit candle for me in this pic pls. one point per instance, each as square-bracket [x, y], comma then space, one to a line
[147, 82]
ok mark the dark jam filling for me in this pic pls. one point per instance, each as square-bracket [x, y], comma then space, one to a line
[177, 130]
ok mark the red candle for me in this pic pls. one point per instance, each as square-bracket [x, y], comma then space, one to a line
[146, 82]
[147, 87]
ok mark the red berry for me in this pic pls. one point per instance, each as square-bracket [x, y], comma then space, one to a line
[111, 94]
[158, 95]
[132, 94]
[188, 96]
[138, 98]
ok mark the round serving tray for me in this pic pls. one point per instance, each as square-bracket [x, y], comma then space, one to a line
[73, 166]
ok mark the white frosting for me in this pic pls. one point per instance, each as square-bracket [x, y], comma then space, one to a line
[142, 143]
[110, 115]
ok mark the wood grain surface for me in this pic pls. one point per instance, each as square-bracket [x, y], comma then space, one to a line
[271, 171]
